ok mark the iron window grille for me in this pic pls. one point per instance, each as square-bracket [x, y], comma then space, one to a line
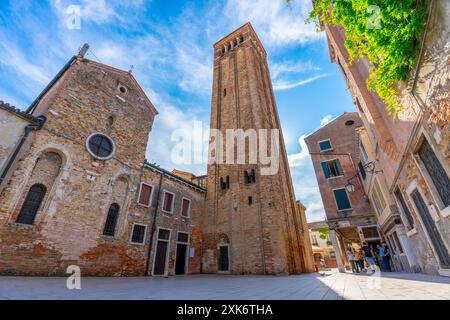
[138, 233]
[31, 204]
[111, 220]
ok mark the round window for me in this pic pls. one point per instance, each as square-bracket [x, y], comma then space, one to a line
[349, 122]
[122, 89]
[100, 146]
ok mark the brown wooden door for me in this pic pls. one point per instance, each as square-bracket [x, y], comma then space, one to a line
[160, 258]
[432, 230]
[180, 264]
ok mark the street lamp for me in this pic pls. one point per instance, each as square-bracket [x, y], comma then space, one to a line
[350, 187]
[370, 166]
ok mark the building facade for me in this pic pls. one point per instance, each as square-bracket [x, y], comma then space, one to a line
[389, 221]
[76, 190]
[252, 225]
[412, 149]
[322, 246]
[335, 159]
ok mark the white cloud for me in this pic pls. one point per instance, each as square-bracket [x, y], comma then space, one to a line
[285, 85]
[169, 120]
[195, 67]
[297, 159]
[275, 22]
[291, 67]
[13, 57]
[99, 11]
[325, 120]
[305, 182]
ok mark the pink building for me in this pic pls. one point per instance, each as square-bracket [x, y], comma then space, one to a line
[412, 150]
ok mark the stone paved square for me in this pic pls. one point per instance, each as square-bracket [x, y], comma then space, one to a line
[314, 286]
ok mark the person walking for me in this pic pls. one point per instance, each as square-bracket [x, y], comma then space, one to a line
[378, 257]
[360, 260]
[351, 258]
[385, 254]
[369, 256]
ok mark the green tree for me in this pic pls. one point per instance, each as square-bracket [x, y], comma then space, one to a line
[386, 32]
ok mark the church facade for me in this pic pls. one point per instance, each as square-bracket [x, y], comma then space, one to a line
[76, 190]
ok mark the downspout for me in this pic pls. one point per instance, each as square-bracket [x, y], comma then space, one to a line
[147, 265]
[27, 130]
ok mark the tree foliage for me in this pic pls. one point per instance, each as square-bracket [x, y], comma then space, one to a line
[386, 32]
[323, 233]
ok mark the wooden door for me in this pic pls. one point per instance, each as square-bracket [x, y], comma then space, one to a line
[160, 258]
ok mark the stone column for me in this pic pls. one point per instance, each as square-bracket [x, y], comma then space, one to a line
[337, 250]
[407, 248]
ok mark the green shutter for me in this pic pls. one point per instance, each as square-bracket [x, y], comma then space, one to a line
[338, 165]
[325, 169]
[342, 200]
[362, 170]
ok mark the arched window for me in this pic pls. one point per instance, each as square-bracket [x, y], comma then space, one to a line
[31, 204]
[111, 220]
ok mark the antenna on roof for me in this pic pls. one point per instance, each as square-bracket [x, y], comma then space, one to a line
[131, 69]
[83, 50]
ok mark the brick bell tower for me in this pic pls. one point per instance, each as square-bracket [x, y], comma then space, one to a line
[251, 225]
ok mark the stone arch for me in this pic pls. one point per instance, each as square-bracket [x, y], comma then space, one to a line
[223, 239]
[45, 172]
[120, 194]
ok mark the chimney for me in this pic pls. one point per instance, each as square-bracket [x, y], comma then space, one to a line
[83, 50]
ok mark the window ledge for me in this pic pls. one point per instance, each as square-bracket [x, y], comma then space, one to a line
[22, 226]
[136, 243]
[411, 232]
[143, 205]
[446, 212]
[109, 238]
[444, 272]
[335, 177]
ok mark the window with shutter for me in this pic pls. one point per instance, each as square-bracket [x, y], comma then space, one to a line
[401, 201]
[168, 202]
[185, 207]
[377, 204]
[436, 171]
[325, 169]
[145, 194]
[342, 201]
[362, 170]
[325, 145]
[332, 168]
[364, 154]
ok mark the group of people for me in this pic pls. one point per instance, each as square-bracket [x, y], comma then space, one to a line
[367, 256]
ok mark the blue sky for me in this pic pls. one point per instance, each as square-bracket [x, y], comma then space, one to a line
[169, 43]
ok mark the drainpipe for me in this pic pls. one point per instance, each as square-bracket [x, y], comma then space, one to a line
[153, 230]
[35, 126]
